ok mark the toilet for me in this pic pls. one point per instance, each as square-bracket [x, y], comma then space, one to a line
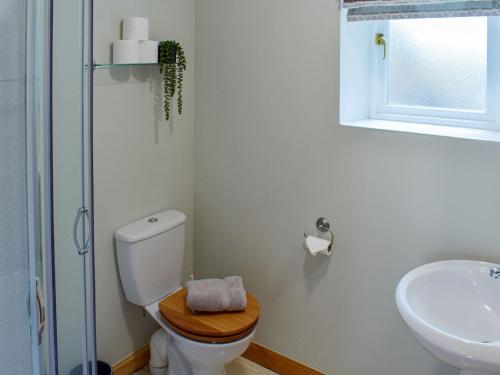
[150, 256]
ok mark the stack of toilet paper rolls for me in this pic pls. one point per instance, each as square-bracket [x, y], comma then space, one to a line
[135, 47]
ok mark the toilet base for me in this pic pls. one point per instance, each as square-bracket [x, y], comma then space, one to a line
[158, 371]
[205, 371]
[179, 365]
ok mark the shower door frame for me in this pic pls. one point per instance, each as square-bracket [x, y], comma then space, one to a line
[90, 181]
[88, 282]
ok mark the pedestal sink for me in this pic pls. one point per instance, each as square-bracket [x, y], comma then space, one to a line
[453, 310]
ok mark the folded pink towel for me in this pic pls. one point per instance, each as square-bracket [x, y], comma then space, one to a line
[216, 295]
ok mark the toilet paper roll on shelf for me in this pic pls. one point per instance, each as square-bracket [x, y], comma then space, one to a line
[136, 28]
[126, 52]
[148, 51]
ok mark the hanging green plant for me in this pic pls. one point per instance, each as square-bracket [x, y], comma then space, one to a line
[173, 64]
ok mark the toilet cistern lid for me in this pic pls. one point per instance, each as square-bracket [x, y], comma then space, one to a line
[150, 226]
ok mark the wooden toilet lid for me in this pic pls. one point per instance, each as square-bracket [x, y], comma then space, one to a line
[215, 327]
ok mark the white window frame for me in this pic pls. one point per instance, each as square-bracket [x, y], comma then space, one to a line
[380, 109]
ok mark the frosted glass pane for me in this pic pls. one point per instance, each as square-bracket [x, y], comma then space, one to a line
[438, 63]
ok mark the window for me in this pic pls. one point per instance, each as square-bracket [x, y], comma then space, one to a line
[437, 72]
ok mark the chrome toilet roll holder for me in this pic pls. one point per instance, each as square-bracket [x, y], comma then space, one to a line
[323, 225]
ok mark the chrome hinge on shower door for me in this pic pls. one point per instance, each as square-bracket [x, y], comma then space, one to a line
[83, 212]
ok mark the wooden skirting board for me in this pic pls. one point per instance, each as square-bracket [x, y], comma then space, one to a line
[132, 362]
[257, 353]
[277, 362]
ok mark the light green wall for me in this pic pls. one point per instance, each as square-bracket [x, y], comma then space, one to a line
[142, 164]
[270, 158]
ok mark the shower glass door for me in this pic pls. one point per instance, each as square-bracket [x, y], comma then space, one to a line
[24, 113]
[72, 185]
[15, 342]
[37, 110]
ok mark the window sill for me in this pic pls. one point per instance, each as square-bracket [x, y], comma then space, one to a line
[427, 129]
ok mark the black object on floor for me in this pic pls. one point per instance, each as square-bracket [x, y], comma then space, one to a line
[102, 369]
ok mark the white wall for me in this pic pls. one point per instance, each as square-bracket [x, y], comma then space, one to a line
[270, 158]
[142, 164]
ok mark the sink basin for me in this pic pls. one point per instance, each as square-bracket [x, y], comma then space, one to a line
[453, 310]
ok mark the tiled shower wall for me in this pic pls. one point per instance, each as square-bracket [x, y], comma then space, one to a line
[15, 350]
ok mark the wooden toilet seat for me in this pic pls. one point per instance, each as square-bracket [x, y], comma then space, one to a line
[221, 328]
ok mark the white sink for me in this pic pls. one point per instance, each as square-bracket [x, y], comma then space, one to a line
[453, 310]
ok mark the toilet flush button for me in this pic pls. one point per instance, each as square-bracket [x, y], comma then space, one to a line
[153, 220]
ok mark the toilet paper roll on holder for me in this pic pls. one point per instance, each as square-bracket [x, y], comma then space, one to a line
[317, 245]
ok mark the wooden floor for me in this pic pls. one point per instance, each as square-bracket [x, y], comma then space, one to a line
[240, 366]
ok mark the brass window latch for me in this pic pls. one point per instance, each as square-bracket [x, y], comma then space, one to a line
[380, 41]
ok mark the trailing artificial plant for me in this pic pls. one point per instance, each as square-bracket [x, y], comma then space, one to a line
[172, 63]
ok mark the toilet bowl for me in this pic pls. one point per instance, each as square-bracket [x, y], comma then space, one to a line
[190, 357]
[150, 254]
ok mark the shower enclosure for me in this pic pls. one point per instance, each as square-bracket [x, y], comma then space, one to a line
[47, 321]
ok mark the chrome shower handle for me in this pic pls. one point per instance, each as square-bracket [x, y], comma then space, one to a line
[82, 249]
